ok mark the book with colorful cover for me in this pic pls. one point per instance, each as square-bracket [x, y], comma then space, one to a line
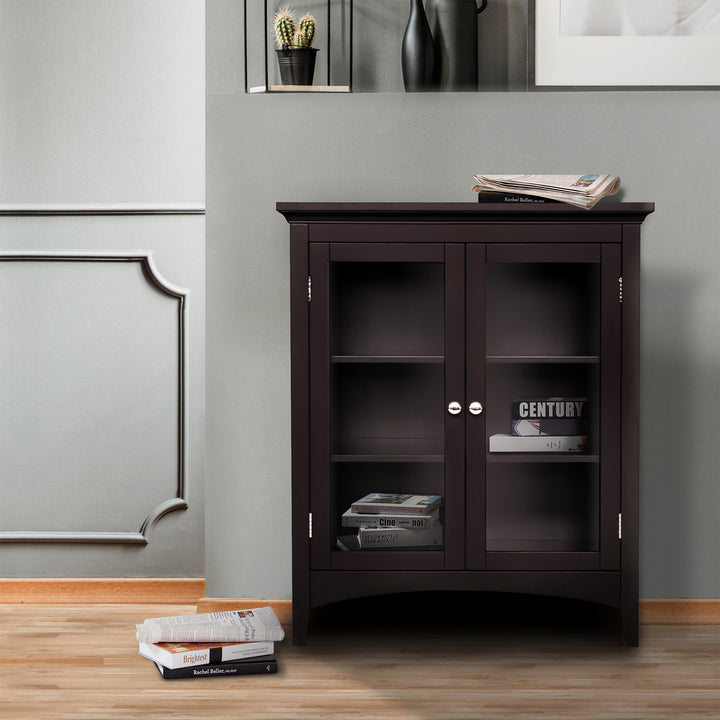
[396, 504]
[178, 655]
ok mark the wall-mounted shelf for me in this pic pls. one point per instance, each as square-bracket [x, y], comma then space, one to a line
[334, 40]
[299, 88]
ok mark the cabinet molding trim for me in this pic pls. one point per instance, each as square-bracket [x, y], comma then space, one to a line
[154, 278]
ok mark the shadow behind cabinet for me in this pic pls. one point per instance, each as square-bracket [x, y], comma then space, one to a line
[431, 344]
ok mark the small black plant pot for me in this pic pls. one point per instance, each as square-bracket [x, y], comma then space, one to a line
[297, 65]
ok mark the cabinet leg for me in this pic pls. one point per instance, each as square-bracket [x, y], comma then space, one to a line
[301, 619]
[630, 619]
[630, 630]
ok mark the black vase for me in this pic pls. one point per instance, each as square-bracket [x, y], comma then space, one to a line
[456, 43]
[418, 52]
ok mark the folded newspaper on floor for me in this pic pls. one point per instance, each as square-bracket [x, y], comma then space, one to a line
[580, 190]
[237, 625]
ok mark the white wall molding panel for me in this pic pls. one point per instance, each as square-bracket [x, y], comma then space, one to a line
[40, 355]
[101, 393]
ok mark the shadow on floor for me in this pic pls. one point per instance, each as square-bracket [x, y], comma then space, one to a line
[466, 613]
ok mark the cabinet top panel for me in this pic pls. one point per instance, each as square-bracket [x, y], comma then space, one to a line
[467, 212]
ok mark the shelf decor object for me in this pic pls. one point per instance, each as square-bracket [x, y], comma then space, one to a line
[418, 51]
[585, 43]
[456, 43]
[420, 334]
[314, 53]
[295, 54]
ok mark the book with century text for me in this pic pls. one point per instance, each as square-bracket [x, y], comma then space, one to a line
[549, 408]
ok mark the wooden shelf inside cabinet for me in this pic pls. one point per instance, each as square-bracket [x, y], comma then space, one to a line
[542, 458]
[426, 450]
[380, 359]
[388, 458]
[544, 359]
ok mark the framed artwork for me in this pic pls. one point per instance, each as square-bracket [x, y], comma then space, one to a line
[626, 43]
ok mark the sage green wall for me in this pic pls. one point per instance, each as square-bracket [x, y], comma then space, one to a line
[392, 146]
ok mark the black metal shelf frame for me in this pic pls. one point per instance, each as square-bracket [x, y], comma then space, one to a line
[266, 44]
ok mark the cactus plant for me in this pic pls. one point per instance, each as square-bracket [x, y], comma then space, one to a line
[296, 57]
[287, 35]
[307, 29]
[284, 26]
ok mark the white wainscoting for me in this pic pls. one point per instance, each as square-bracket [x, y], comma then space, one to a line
[101, 390]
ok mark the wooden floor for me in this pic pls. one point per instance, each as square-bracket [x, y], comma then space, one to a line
[80, 662]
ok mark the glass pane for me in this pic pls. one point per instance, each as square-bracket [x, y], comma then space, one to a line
[543, 309]
[387, 384]
[537, 399]
[387, 408]
[547, 507]
[543, 407]
[387, 309]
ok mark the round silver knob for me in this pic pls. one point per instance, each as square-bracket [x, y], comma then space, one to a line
[475, 408]
[454, 408]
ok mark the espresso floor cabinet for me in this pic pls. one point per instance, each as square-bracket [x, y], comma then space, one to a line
[428, 340]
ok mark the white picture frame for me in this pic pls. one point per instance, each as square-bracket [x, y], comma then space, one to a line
[618, 60]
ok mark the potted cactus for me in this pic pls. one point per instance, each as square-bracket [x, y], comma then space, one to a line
[296, 56]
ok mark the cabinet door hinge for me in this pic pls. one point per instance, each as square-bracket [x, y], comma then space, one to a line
[620, 289]
[619, 526]
[309, 288]
[310, 525]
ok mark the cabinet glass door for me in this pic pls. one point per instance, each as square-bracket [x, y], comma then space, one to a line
[379, 346]
[550, 473]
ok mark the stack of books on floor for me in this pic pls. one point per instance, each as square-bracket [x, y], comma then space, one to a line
[393, 520]
[545, 425]
[239, 642]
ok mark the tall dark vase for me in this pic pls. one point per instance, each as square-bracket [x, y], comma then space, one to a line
[456, 43]
[418, 51]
